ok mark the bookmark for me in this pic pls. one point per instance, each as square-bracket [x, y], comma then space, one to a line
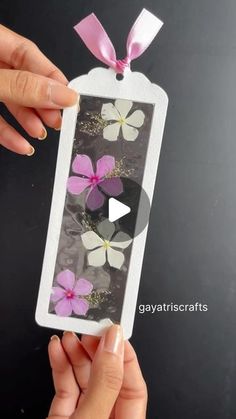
[105, 176]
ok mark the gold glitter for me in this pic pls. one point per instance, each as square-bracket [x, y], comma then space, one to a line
[96, 297]
[87, 222]
[94, 125]
[119, 170]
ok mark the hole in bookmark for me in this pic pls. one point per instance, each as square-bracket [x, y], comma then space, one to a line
[119, 76]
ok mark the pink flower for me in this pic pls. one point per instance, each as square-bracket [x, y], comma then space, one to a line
[90, 179]
[68, 299]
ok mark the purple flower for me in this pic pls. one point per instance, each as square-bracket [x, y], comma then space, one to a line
[90, 179]
[68, 296]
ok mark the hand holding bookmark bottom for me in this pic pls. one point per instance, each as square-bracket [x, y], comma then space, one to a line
[96, 378]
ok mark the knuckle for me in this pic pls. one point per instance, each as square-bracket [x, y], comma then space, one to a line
[54, 73]
[32, 44]
[111, 377]
[134, 394]
[41, 90]
[21, 83]
[27, 86]
[19, 55]
[63, 394]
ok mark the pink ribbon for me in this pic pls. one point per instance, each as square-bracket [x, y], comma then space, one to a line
[98, 42]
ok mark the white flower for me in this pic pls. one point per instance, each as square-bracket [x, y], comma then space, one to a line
[104, 247]
[119, 114]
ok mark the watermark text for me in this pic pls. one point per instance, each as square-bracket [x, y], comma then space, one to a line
[164, 307]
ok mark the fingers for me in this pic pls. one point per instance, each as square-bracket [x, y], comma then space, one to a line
[66, 389]
[90, 344]
[79, 359]
[21, 53]
[32, 119]
[29, 120]
[40, 86]
[51, 117]
[13, 141]
[132, 401]
[106, 377]
[133, 379]
[31, 90]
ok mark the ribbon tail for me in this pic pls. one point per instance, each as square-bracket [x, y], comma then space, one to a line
[98, 42]
[142, 33]
[96, 39]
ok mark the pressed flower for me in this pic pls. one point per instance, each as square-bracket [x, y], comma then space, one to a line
[90, 180]
[118, 113]
[69, 295]
[103, 246]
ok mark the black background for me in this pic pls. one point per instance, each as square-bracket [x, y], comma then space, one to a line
[188, 359]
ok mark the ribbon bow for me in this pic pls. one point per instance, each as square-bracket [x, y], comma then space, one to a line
[98, 42]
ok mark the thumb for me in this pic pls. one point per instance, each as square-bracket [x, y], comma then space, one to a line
[32, 90]
[106, 376]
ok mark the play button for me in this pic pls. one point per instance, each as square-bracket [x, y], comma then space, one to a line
[117, 210]
[128, 212]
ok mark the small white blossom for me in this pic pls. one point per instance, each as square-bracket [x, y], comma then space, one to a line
[103, 247]
[118, 113]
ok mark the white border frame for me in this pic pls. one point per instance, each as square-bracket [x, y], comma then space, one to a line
[101, 82]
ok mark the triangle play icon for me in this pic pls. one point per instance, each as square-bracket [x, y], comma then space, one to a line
[117, 209]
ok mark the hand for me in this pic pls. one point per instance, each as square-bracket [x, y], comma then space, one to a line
[32, 88]
[96, 378]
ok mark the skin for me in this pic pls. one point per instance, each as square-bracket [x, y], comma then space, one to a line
[92, 381]
[32, 88]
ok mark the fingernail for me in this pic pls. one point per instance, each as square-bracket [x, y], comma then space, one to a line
[54, 337]
[69, 332]
[62, 96]
[31, 152]
[113, 340]
[58, 125]
[43, 134]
